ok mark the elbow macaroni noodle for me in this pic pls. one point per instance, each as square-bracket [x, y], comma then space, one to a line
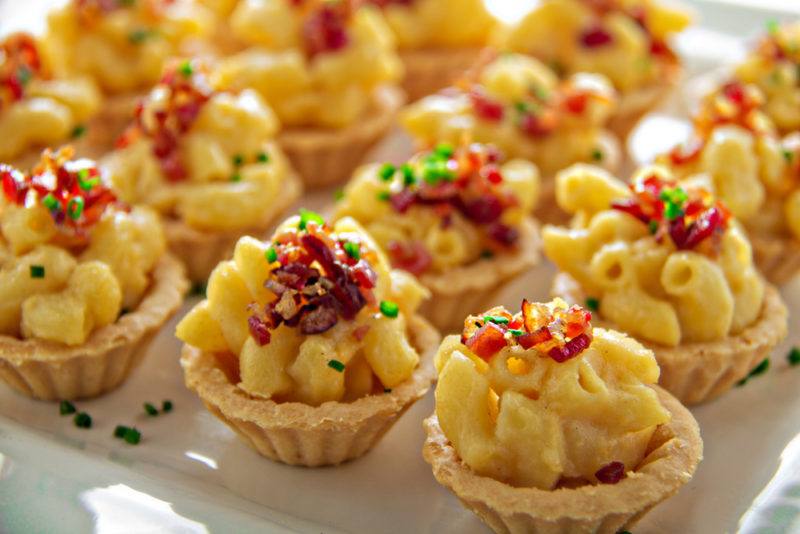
[646, 284]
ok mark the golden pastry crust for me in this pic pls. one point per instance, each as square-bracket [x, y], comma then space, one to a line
[701, 371]
[464, 290]
[633, 106]
[673, 454]
[777, 257]
[430, 69]
[53, 371]
[201, 250]
[325, 157]
[299, 434]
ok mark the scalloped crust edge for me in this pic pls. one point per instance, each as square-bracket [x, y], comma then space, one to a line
[777, 257]
[470, 289]
[429, 70]
[201, 250]
[674, 452]
[300, 434]
[53, 371]
[328, 156]
[701, 371]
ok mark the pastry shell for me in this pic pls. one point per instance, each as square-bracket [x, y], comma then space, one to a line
[327, 156]
[777, 257]
[300, 434]
[429, 70]
[672, 457]
[201, 250]
[468, 289]
[53, 371]
[634, 105]
[701, 371]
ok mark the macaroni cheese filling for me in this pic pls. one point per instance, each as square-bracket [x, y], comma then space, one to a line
[36, 108]
[317, 63]
[517, 103]
[663, 261]
[200, 154]
[773, 66]
[314, 315]
[539, 398]
[430, 23]
[122, 44]
[627, 41]
[72, 256]
[445, 207]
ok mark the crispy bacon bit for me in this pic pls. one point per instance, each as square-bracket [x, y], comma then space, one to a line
[553, 329]
[19, 64]
[360, 332]
[688, 216]
[166, 119]
[325, 26]
[313, 298]
[487, 341]
[611, 473]
[686, 152]
[412, 257]
[485, 107]
[595, 37]
[71, 190]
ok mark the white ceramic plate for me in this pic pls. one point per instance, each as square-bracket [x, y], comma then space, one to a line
[191, 474]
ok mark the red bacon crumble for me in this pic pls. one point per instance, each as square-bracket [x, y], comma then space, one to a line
[611, 473]
[20, 62]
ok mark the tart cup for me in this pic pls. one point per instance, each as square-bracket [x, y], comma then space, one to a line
[299, 434]
[327, 156]
[464, 290]
[430, 69]
[53, 371]
[201, 250]
[634, 105]
[777, 256]
[547, 209]
[672, 456]
[701, 371]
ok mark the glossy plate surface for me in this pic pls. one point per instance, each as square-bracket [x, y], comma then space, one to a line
[191, 474]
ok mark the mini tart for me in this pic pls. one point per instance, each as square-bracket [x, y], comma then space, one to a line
[325, 157]
[52, 371]
[777, 257]
[469, 288]
[673, 454]
[299, 434]
[430, 69]
[201, 250]
[701, 371]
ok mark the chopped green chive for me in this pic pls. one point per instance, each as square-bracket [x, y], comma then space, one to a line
[271, 254]
[132, 436]
[444, 149]
[389, 309]
[540, 92]
[408, 174]
[593, 303]
[653, 227]
[24, 75]
[759, 369]
[186, 68]
[788, 155]
[353, 250]
[85, 182]
[236, 177]
[166, 406]
[78, 131]
[37, 271]
[495, 319]
[338, 195]
[50, 202]
[262, 157]
[75, 208]
[794, 356]
[150, 409]
[597, 155]
[772, 26]
[238, 160]
[386, 171]
[516, 333]
[307, 216]
[120, 430]
[83, 420]
[521, 106]
[66, 408]
[139, 36]
[384, 196]
[336, 365]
